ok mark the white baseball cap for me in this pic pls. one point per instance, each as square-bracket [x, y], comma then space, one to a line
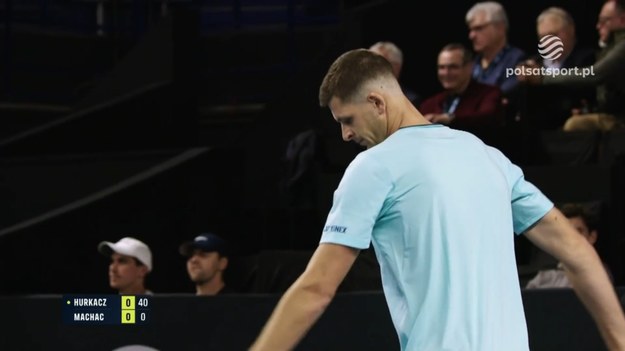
[130, 247]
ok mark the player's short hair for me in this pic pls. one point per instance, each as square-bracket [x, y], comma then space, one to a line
[350, 72]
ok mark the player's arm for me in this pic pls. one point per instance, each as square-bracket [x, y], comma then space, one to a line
[305, 301]
[555, 235]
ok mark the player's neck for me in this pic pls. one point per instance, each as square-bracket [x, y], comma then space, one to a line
[409, 115]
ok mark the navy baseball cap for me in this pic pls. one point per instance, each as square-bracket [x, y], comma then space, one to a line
[207, 242]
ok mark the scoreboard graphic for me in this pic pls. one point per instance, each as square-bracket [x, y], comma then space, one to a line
[106, 309]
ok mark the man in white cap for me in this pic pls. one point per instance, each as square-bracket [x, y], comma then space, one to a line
[131, 261]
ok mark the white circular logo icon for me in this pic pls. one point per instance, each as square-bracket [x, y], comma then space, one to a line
[550, 47]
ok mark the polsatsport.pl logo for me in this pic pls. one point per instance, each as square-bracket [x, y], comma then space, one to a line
[550, 71]
[550, 47]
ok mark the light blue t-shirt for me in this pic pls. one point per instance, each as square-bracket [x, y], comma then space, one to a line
[441, 207]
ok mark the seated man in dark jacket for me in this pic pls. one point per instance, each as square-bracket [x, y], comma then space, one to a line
[465, 103]
[607, 75]
[548, 106]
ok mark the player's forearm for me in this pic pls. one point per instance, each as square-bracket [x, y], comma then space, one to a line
[592, 285]
[297, 311]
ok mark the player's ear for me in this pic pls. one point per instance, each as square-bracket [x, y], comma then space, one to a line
[378, 101]
[592, 236]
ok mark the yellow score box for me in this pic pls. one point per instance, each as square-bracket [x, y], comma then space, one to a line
[128, 302]
[128, 310]
[128, 317]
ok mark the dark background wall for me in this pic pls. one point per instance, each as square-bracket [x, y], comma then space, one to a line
[78, 107]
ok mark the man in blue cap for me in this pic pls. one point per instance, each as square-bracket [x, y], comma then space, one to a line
[207, 259]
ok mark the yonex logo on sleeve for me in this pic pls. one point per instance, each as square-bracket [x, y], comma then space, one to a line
[335, 228]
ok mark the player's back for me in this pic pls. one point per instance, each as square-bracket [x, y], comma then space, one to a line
[445, 243]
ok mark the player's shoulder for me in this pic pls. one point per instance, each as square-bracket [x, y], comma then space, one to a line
[367, 158]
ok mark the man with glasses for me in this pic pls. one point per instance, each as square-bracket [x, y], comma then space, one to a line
[464, 102]
[488, 32]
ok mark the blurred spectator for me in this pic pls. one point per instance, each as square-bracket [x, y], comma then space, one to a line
[557, 21]
[393, 54]
[488, 32]
[464, 102]
[607, 74]
[586, 224]
[207, 260]
[548, 106]
[610, 23]
[131, 261]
